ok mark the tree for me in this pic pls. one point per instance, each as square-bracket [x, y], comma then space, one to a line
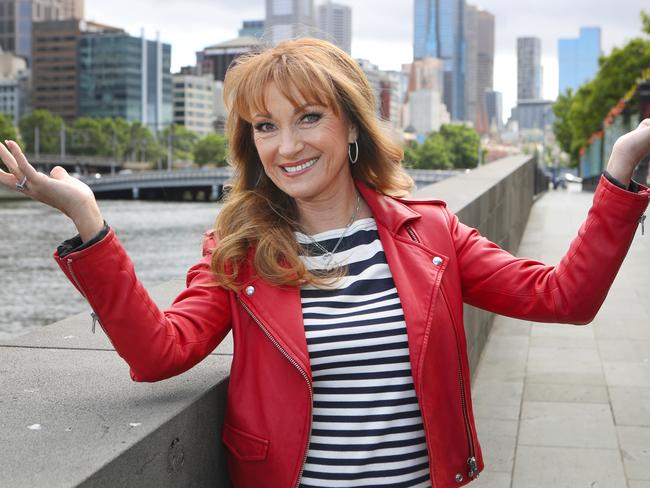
[211, 149]
[433, 153]
[49, 131]
[142, 145]
[7, 131]
[645, 22]
[462, 145]
[89, 137]
[184, 141]
[561, 127]
[582, 114]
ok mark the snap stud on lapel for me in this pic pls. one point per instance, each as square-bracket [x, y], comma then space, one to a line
[437, 261]
[249, 290]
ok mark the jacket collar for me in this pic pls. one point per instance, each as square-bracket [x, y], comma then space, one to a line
[387, 211]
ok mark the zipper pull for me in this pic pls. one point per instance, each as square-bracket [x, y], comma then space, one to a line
[473, 467]
[95, 320]
[642, 222]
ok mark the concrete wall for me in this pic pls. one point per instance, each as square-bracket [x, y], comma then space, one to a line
[495, 199]
[71, 416]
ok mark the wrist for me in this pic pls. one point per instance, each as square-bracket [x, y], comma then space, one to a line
[621, 166]
[88, 220]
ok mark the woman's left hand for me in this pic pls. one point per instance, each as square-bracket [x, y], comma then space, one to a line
[628, 151]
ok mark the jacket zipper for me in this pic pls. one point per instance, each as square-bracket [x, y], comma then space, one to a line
[642, 222]
[414, 237]
[300, 370]
[472, 466]
[411, 233]
[92, 314]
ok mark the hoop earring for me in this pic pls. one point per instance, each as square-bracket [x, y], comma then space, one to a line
[353, 160]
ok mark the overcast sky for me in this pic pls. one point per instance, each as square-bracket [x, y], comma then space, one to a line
[382, 30]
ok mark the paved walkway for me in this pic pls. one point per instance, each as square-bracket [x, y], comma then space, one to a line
[562, 406]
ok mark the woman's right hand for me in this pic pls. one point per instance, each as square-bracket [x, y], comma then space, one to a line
[58, 190]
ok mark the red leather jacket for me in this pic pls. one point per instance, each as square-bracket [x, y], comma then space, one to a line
[437, 264]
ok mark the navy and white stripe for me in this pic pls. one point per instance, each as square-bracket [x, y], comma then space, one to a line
[366, 426]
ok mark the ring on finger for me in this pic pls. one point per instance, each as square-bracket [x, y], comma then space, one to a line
[22, 185]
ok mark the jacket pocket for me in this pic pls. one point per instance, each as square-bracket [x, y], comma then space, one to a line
[244, 446]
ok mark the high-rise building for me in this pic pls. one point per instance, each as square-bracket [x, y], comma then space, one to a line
[195, 101]
[425, 109]
[216, 59]
[374, 75]
[439, 33]
[55, 64]
[578, 58]
[485, 76]
[533, 114]
[529, 68]
[125, 76]
[494, 110]
[14, 86]
[335, 24]
[289, 19]
[479, 64]
[252, 28]
[17, 16]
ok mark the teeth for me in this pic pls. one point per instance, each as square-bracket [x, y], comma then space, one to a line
[300, 167]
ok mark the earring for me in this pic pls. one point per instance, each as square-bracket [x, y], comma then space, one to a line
[354, 159]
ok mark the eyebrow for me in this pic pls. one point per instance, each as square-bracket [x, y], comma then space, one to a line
[296, 110]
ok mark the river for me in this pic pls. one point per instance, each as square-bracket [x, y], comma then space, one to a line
[162, 238]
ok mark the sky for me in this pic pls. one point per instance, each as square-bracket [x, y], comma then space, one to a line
[382, 30]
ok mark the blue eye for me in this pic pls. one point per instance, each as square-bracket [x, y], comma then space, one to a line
[312, 117]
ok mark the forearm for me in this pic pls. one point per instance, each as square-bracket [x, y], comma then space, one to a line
[570, 292]
[88, 220]
[156, 344]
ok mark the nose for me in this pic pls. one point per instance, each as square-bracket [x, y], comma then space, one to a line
[290, 143]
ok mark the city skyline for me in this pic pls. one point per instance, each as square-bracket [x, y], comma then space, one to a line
[385, 40]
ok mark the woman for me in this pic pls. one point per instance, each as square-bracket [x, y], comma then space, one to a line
[344, 299]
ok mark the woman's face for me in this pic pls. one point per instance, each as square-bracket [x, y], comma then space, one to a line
[304, 149]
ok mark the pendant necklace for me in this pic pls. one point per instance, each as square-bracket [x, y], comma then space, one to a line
[327, 255]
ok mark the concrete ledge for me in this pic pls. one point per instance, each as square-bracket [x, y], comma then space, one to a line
[71, 416]
[495, 199]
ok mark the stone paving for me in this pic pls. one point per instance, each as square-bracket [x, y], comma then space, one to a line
[569, 406]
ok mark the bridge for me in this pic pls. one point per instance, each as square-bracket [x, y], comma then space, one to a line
[198, 184]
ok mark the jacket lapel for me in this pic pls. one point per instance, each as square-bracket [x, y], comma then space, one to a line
[279, 311]
[417, 269]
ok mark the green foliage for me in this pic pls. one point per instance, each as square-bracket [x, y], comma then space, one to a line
[88, 137]
[561, 126]
[581, 114]
[49, 131]
[211, 149]
[142, 145]
[645, 21]
[182, 139]
[7, 129]
[454, 146]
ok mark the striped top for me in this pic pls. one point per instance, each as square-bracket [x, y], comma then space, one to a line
[366, 426]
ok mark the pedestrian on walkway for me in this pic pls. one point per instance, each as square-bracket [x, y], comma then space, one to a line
[344, 297]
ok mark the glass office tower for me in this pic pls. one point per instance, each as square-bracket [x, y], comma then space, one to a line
[125, 76]
[578, 58]
[438, 33]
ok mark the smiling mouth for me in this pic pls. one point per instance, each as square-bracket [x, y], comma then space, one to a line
[299, 167]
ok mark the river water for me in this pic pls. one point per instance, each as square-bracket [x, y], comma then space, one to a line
[162, 238]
